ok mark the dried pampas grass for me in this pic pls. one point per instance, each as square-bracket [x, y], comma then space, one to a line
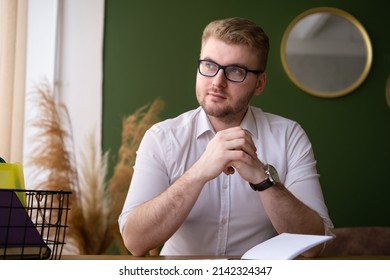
[52, 141]
[95, 204]
[94, 199]
[133, 129]
[52, 161]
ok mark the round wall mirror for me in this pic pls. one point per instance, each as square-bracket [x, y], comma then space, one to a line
[326, 52]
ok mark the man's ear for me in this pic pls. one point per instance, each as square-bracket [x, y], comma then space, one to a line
[261, 80]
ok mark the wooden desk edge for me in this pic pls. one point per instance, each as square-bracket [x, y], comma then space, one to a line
[129, 257]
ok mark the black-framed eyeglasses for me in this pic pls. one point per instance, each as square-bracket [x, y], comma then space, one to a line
[232, 73]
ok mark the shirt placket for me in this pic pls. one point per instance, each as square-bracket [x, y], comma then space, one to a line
[224, 216]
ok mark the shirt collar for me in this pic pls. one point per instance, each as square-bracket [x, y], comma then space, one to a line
[248, 123]
[204, 124]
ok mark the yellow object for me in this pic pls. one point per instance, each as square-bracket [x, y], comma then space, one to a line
[12, 177]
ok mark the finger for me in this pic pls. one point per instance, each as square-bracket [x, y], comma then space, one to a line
[241, 144]
[229, 170]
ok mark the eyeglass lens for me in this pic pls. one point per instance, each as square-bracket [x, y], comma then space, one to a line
[232, 73]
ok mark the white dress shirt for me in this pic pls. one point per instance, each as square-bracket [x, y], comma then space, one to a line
[228, 217]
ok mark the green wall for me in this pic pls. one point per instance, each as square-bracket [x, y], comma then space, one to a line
[150, 51]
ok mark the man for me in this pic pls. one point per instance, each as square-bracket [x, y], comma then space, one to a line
[226, 176]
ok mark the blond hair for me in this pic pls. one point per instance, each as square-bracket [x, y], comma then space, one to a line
[240, 31]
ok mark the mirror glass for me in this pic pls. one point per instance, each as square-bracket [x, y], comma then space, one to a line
[326, 52]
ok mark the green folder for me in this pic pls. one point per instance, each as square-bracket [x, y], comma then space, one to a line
[12, 177]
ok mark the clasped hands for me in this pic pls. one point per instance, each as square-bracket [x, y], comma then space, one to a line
[232, 150]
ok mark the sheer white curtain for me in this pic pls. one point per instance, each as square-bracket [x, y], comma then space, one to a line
[13, 26]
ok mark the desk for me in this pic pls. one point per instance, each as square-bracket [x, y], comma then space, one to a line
[129, 257]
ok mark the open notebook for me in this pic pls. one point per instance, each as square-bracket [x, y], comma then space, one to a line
[285, 246]
[19, 238]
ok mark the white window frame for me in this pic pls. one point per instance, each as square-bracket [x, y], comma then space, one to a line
[65, 47]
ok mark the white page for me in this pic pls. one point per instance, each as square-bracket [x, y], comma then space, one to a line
[285, 246]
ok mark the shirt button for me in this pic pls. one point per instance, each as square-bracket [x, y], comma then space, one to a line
[224, 221]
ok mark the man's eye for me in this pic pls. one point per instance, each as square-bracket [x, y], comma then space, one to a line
[236, 70]
[210, 65]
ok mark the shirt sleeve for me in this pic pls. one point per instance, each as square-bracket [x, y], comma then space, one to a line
[302, 178]
[150, 176]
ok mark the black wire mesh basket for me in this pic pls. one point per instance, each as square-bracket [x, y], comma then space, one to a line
[33, 223]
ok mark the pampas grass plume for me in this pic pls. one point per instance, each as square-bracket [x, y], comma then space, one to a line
[95, 204]
[133, 129]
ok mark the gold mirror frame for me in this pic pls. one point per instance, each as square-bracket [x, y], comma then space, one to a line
[366, 41]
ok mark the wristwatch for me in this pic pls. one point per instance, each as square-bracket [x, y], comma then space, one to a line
[272, 179]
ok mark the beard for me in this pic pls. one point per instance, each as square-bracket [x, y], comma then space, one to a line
[225, 111]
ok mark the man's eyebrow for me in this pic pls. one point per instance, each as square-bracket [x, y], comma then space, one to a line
[233, 64]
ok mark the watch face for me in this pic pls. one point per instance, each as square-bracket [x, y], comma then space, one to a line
[273, 174]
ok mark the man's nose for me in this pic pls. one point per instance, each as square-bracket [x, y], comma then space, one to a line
[220, 79]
